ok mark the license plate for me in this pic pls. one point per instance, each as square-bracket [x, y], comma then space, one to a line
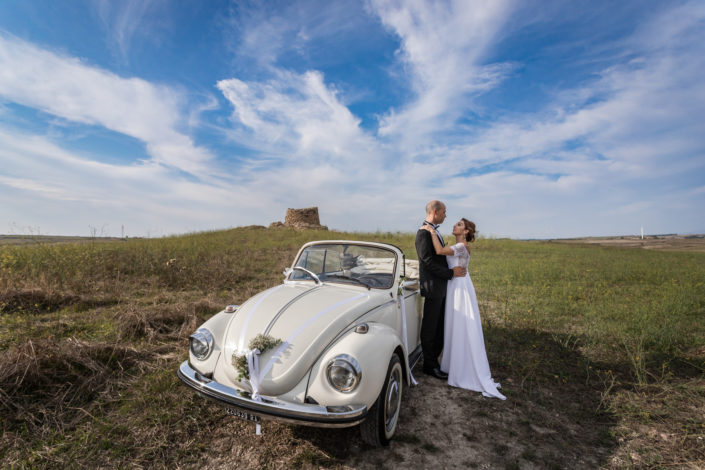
[243, 415]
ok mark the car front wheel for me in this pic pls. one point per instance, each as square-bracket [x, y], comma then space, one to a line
[381, 423]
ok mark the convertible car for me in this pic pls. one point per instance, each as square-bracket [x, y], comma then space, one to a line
[332, 346]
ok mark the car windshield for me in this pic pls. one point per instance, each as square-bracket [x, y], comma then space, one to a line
[347, 263]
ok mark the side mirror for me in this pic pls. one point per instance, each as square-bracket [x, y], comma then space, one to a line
[286, 272]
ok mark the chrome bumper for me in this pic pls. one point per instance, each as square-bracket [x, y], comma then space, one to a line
[268, 408]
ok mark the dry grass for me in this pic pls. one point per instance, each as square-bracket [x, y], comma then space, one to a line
[600, 351]
[51, 385]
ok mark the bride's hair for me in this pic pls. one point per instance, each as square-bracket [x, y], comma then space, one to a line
[470, 227]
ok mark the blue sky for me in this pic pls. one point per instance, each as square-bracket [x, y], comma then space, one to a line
[535, 119]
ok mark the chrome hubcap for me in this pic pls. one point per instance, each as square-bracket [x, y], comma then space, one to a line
[392, 399]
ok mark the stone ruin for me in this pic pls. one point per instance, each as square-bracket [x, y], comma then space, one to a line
[302, 219]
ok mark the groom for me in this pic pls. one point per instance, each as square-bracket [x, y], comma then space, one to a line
[434, 273]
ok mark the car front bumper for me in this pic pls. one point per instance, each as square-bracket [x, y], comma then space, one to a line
[271, 408]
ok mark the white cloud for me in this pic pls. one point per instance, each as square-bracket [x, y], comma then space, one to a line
[40, 181]
[123, 20]
[54, 191]
[265, 32]
[443, 47]
[297, 116]
[640, 119]
[67, 88]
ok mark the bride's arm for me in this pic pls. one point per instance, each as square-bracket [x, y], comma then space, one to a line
[440, 249]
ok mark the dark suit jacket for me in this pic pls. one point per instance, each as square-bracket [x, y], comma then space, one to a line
[433, 269]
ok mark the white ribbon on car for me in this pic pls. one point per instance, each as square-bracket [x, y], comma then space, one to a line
[253, 369]
[402, 301]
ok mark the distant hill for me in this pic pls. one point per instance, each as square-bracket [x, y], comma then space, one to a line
[667, 242]
[46, 239]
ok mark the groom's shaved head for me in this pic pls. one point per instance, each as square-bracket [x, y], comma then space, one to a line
[434, 205]
[435, 212]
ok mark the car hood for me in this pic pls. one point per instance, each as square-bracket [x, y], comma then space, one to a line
[306, 318]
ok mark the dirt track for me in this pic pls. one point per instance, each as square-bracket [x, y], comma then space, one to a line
[552, 426]
[651, 242]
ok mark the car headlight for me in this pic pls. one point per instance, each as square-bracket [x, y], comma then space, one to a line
[344, 373]
[201, 343]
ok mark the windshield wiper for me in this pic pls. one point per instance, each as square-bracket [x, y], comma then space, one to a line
[341, 276]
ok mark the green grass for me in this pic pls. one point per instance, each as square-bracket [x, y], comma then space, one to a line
[642, 307]
[107, 323]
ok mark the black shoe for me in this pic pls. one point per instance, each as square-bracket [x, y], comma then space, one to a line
[437, 373]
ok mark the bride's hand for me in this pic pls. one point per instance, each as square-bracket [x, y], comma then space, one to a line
[427, 227]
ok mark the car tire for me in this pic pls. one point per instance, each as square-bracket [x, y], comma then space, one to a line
[381, 423]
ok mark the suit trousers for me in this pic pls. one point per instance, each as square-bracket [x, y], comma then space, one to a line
[432, 328]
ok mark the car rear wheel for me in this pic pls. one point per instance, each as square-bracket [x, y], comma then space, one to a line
[381, 423]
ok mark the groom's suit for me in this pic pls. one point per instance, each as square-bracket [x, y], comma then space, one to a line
[434, 273]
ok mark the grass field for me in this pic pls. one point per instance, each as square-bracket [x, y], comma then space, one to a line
[91, 334]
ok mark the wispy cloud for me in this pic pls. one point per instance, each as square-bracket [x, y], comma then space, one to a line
[123, 20]
[267, 34]
[57, 186]
[69, 89]
[444, 48]
[297, 115]
[637, 115]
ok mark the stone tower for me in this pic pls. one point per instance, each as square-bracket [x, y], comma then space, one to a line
[303, 218]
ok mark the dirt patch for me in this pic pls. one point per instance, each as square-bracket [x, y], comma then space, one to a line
[549, 420]
[448, 427]
[440, 427]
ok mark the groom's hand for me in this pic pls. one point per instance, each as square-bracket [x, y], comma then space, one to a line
[459, 271]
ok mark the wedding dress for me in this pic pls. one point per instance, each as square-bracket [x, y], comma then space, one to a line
[464, 356]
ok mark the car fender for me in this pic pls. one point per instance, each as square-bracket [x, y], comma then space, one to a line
[217, 325]
[372, 351]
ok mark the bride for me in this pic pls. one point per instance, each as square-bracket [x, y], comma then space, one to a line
[464, 356]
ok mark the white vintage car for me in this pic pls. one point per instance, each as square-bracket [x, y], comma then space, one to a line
[332, 346]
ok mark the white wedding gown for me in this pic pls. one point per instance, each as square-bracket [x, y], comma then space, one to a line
[464, 356]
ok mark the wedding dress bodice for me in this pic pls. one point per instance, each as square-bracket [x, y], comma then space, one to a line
[460, 258]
